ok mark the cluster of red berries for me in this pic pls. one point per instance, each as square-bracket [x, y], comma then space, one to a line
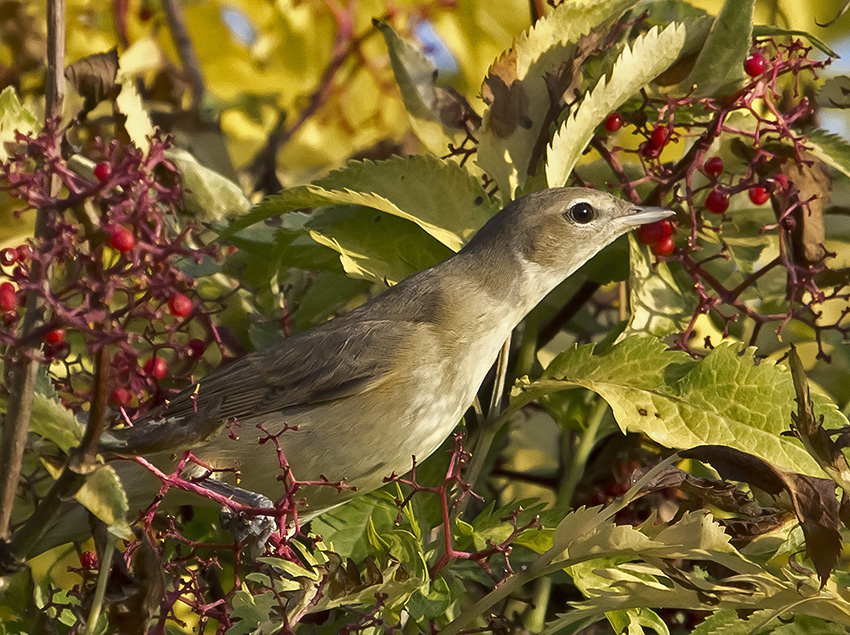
[659, 237]
[717, 201]
[111, 284]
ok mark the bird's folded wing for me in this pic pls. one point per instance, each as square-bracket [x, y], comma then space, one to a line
[337, 360]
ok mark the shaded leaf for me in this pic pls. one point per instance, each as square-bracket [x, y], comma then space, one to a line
[719, 68]
[93, 77]
[835, 93]
[810, 187]
[439, 115]
[207, 195]
[771, 30]
[658, 305]
[439, 196]
[809, 428]
[814, 500]
[841, 11]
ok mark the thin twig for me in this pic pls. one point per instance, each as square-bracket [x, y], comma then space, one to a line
[188, 56]
[24, 368]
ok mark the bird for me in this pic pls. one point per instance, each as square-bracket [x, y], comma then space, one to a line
[356, 397]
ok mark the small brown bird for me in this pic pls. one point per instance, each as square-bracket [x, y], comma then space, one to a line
[364, 392]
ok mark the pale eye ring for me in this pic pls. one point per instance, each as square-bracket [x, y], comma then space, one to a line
[581, 213]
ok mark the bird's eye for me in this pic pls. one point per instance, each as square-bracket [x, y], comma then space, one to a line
[581, 213]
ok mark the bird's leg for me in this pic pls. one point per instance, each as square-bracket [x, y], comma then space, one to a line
[245, 527]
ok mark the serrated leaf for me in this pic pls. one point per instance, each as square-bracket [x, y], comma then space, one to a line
[516, 82]
[564, 24]
[104, 496]
[725, 398]
[51, 420]
[374, 245]
[719, 68]
[638, 64]
[830, 148]
[439, 196]
[13, 118]
[207, 195]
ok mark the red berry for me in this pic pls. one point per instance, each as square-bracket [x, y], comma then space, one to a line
[717, 202]
[759, 195]
[180, 305]
[55, 337]
[156, 366]
[102, 171]
[664, 246]
[652, 233]
[145, 14]
[658, 138]
[754, 65]
[120, 397]
[714, 166]
[8, 297]
[8, 257]
[24, 252]
[196, 347]
[781, 181]
[613, 122]
[88, 560]
[122, 239]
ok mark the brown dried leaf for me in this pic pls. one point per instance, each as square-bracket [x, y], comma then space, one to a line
[505, 96]
[94, 77]
[813, 499]
[809, 429]
[810, 185]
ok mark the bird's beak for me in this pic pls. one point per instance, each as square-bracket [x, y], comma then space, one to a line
[641, 215]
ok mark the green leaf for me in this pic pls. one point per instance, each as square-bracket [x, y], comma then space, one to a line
[658, 305]
[207, 195]
[13, 118]
[374, 245]
[253, 611]
[638, 64]
[345, 529]
[129, 103]
[725, 398]
[439, 196]
[104, 496]
[719, 68]
[770, 30]
[830, 148]
[431, 107]
[51, 420]
[509, 135]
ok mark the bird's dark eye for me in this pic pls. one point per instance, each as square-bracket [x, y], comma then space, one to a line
[581, 213]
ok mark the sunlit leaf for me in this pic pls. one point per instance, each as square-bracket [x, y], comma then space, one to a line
[724, 399]
[638, 64]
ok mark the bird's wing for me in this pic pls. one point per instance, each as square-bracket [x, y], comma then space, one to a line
[334, 361]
